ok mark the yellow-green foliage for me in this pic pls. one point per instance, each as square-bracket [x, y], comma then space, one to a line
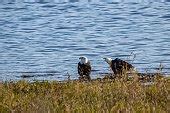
[74, 96]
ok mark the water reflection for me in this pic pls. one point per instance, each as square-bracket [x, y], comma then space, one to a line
[41, 1]
[73, 0]
[44, 1]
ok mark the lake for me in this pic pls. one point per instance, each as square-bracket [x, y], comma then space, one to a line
[45, 39]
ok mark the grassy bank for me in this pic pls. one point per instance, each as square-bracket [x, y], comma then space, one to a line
[74, 96]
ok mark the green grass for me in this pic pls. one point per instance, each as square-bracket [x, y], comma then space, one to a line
[74, 96]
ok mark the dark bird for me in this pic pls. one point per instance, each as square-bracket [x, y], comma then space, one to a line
[84, 68]
[119, 66]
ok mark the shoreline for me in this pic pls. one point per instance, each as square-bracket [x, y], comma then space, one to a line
[140, 76]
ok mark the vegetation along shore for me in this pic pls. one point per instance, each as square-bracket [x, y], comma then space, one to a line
[99, 95]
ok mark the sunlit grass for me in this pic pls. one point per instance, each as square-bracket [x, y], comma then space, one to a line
[75, 96]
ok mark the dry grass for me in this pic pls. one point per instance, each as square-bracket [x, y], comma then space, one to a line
[74, 96]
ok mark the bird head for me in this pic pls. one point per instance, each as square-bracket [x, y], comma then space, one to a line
[83, 60]
[108, 60]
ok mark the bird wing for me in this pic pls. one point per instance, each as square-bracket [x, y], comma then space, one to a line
[80, 69]
[88, 68]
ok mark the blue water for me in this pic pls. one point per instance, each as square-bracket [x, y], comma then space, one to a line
[45, 39]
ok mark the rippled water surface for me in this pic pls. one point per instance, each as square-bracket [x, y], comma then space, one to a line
[46, 39]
